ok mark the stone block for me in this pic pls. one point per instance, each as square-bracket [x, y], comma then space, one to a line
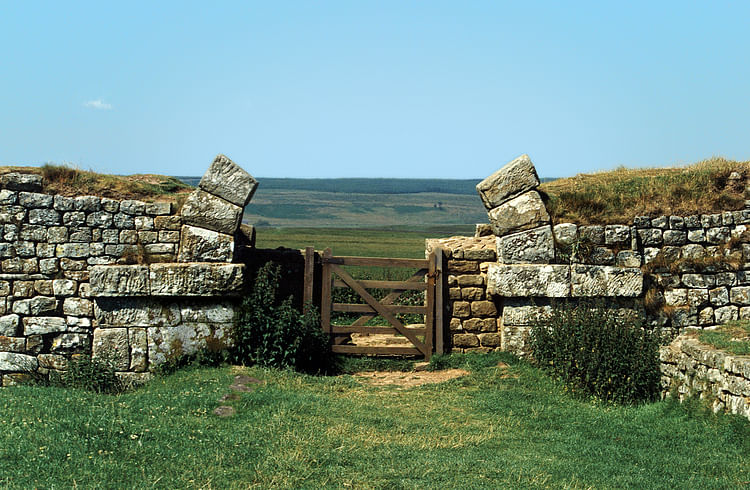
[566, 234]
[461, 309]
[132, 207]
[119, 280]
[38, 305]
[465, 340]
[78, 307]
[726, 314]
[123, 221]
[167, 222]
[650, 237]
[740, 295]
[470, 280]
[676, 297]
[472, 294]
[196, 279]
[628, 258]
[592, 234]
[717, 235]
[515, 339]
[489, 339]
[616, 234]
[100, 219]
[226, 179]
[134, 312]
[519, 213]
[112, 344]
[520, 313]
[158, 208]
[205, 210]
[719, 296]
[536, 246]
[513, 179]
[12, 344]
[15, 181]
[524, 280]
[138, 339]
[70, 342]
[607, 281]
[45, 217]
[73, 250]
[9, 325]
[52, 361]
[166, 343]
[482, 229]
[480, 325]
[41, 325]
[11, 361]
[202, 245]
[211, 312]
[483, 309]
[64, 287]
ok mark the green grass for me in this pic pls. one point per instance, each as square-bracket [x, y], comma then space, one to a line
[733, 337]
[499, 428]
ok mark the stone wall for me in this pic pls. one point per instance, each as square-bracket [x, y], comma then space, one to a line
[691, 369]
[673, 272]
[127, 278]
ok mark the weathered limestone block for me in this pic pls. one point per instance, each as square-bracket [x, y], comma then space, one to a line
[130, 312]
[226, 179]
[196, 279]
[515, 339]
[193, 312]
[40, 325]
[119, 280]
[35, 200]
[12, 344]
[201, 245]
[9, 325]
[565, 234]
[211, 212]
[489, 339]
[11, 361]
[535, 246]
[158, 208]
[138, 338]
[52, 361]
[511, 180]
[112, 344]
[64, 287]
[524, 280]
[591, 280]
[70, 342]
[78, 307]
[522, 313]
[616, 234]
[15, 181]
[165, 343]
[520, 213]
[37, 305]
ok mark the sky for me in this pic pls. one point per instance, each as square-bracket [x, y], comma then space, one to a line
[411, 89]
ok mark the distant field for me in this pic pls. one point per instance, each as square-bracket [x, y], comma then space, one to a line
[362, 203]
[363, 242]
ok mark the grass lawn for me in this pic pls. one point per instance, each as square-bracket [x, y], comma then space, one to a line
[497, 427]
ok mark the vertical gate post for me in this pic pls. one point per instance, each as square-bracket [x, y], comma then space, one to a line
[439, 301]
[307, 296]
[325, 295]
[430, 307]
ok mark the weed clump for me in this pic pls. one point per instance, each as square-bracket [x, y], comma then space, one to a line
[97, 374]
[598, 353]
[273, 333]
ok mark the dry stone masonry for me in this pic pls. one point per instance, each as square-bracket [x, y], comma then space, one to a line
[690, 368]
[126, 279]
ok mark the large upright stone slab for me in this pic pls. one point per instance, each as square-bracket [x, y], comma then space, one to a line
[524, 280]
[201, 245]
[520, 213]
[208, 211]
[119, 280]
[226, 179]
[513, 179]
[606, 281]
[535, 246]
[196, 279]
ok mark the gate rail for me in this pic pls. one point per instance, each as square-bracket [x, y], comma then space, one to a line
[428, 278]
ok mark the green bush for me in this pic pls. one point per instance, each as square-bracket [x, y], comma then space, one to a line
[597, 353]
[90, 373]
[273, 333]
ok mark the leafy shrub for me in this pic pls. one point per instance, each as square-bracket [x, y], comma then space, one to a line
[595, 352]
[273, 333]
[91, 373]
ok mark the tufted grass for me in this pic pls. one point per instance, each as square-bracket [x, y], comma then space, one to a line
[619, 195]
[498, 427]
[733, 337]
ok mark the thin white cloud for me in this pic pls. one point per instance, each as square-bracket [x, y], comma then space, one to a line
[98, 104]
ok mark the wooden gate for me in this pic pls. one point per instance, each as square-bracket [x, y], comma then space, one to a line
[425, 339]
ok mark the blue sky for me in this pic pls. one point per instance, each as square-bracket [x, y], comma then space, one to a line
[373, 89]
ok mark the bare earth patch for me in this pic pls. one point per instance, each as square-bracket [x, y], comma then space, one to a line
[408, 379]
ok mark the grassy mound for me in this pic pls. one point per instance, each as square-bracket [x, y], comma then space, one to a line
[621, 194]
[69, 181]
